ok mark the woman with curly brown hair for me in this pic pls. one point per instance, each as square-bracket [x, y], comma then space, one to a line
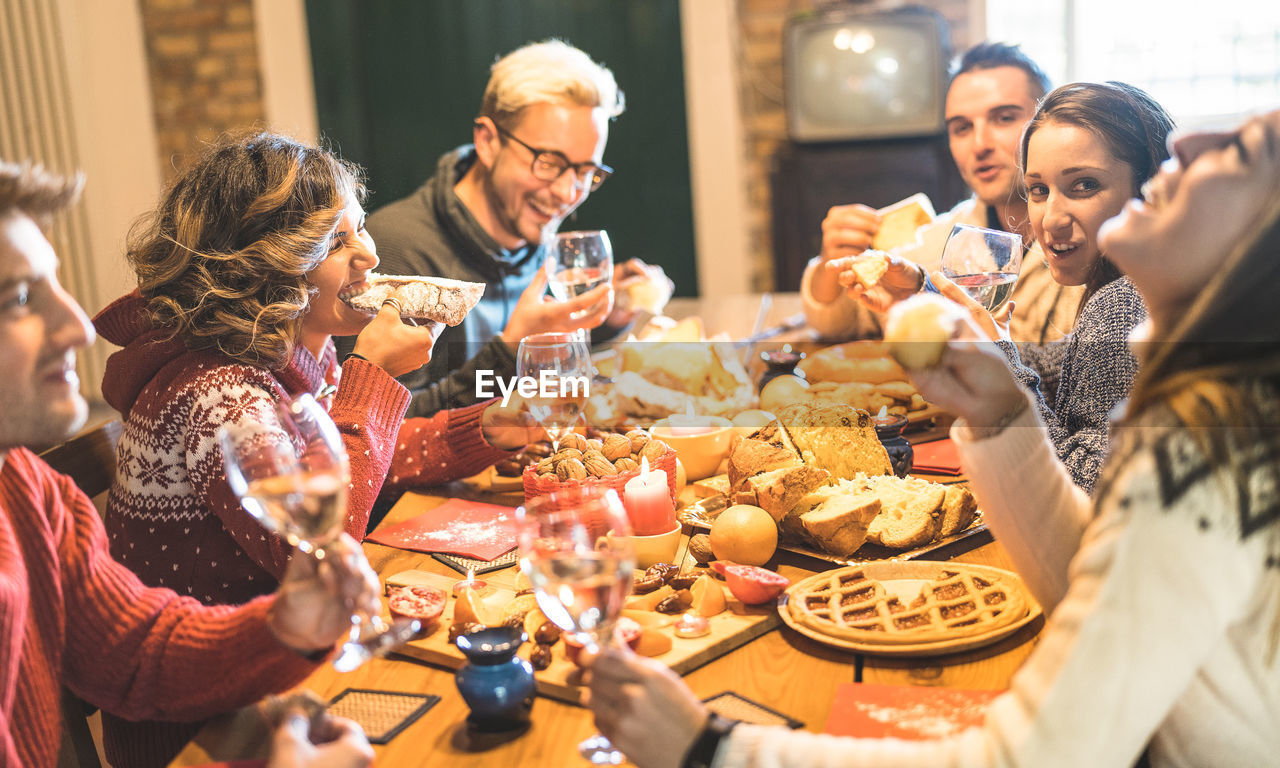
[241, 271]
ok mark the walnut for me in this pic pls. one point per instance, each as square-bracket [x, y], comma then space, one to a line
[547, 467]
[567, 453]
[573, 440]
[594, 445]
[638, 438]
[598, 466]
[616, 447]
[700, 548]
[571, 469]
[626, 464]
[654, 450]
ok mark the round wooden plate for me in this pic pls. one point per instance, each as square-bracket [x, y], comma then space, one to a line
[890, 571]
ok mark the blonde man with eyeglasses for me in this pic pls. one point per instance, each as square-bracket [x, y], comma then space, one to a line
[537, 154]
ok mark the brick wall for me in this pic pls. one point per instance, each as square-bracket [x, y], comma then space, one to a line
[763, 118]
[203, 62]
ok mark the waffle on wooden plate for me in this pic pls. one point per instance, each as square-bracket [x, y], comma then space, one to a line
[909, 608]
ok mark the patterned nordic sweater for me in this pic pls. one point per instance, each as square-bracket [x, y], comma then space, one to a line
[70, 615]
[171, 516]
[1098, 371]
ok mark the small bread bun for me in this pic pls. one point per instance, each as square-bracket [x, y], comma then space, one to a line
[918, 329]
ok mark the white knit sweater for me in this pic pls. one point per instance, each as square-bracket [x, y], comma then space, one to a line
[1164, 625]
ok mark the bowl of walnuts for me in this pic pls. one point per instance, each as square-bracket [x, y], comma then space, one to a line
[609, 461]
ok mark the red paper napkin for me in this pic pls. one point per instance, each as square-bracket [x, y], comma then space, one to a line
[938, 457]
[467, 528]
[905, 712]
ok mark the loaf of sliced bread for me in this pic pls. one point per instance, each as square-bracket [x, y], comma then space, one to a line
[958, 510]
[835, 518]
[910, 512]
[778, 490]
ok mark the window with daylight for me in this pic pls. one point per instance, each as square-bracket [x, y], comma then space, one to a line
[1207, 63]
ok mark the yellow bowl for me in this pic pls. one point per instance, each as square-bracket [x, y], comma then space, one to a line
[701, 453]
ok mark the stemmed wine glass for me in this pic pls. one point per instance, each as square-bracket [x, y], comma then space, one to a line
[983, 262]
[292, 477]
[560, 365]
[575, 548]
[578, 262]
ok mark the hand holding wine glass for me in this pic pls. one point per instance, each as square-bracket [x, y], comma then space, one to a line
[983, 262]
[578, 262]
[292, 476]
[560, 364]
[576, 551]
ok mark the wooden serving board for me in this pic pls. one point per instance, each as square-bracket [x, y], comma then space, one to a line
[562, 680]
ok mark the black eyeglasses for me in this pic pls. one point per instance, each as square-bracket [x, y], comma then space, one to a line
[549, 165]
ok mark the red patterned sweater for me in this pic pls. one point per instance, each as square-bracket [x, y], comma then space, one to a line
[71, 615]
[171, 516]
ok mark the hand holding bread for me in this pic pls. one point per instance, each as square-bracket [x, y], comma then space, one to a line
[898, 279]
[389, 343]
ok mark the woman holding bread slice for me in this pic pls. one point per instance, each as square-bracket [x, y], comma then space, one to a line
[1088, 149]
[1163, 590]
[242, 271]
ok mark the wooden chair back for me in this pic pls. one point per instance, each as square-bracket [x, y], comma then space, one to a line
[89, 459]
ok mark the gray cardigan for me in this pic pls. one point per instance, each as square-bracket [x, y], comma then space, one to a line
[1097, 373]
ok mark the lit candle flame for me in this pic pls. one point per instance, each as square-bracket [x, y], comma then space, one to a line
[884, 412]
[644, 466]
[688, 409]
[471, 576]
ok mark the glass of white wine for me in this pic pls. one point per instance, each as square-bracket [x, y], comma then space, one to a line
[578, 262]
[292, 476]
[575, 548]
[560, 365]
[983, 262]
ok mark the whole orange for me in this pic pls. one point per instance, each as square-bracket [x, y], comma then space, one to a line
[744, 534]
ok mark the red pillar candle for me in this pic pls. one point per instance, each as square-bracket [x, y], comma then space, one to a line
[647, 500]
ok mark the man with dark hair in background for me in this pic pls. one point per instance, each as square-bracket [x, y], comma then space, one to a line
[993, 93]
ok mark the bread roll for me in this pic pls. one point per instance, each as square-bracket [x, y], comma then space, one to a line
[870, 267]
[918, 329]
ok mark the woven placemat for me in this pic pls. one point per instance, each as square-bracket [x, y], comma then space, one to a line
[382, 714]
[738, 707]
[463, 564]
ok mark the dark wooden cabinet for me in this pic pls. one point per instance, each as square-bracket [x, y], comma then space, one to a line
[808, 179]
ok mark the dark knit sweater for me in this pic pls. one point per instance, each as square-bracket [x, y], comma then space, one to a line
[1098, 371]
[431, 232]
[71, 615]
[171, 516]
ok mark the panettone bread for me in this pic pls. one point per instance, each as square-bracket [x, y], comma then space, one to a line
[837, 437]
[767, 448]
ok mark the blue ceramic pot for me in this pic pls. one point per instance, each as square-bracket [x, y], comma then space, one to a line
[900, 452]
[496, 683]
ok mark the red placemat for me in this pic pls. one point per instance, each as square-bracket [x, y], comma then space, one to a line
[905, 712]
[467, 528]
[938, 457]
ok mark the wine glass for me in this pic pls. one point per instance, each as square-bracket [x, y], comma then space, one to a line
[292, 476]
[559, 367]
[575, 548]
[983, 262]
[578, 262]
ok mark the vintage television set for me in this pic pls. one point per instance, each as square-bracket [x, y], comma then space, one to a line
[865, 87]
[864, 73]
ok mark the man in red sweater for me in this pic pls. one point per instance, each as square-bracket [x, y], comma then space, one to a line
[69, 614]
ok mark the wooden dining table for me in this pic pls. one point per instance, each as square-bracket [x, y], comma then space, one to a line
[783, 669]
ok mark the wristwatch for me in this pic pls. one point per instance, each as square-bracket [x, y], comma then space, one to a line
[704, 747]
